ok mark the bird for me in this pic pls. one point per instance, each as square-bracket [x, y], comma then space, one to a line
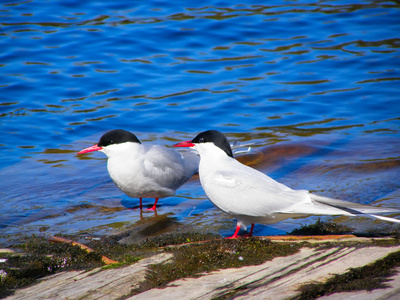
[252, 197]
[144, 171]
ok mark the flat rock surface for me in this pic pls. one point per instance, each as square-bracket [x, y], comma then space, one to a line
[276, 279]
[279, 278]
[95, 284]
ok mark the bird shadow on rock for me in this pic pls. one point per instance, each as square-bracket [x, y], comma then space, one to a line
[148, 227]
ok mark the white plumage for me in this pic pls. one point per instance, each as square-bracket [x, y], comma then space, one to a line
[253, 197]
[144, 171]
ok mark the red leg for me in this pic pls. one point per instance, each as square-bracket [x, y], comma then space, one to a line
[235, 235]
[251, 231]
[140, 205]
[154, 206]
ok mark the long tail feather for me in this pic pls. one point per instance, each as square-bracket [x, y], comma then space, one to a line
[357, 208]
[384, 218]
[352, 207]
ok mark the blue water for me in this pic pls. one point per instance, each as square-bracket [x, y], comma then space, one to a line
[320, 74]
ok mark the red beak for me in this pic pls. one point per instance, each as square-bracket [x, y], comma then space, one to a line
[90, 149]
[184, 144]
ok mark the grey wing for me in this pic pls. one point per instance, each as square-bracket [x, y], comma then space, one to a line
[249, 192]
[191, 161]
[166, 167]
[246, 191]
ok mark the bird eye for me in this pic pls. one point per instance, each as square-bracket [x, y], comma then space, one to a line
[201, 140]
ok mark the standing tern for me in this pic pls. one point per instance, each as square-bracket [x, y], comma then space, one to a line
[253, 197]
[144, 171]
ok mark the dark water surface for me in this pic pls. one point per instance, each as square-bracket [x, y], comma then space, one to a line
[314, 84]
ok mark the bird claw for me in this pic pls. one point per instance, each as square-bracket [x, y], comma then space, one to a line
[239, 236]
[236, 234]
[247, 235]
[231, 237]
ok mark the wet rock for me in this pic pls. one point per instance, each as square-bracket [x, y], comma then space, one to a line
[277, 279]
[95, 284]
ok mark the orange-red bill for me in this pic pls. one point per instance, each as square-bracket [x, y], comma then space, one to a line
[184, 144]
[90, 149]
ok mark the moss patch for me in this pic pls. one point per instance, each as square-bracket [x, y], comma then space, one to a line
[178, 239]
[37, 258]
[321, 228]
[195, 259]
[370, 277]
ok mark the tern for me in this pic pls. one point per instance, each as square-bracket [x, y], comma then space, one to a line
[144, 171]
[252, 197]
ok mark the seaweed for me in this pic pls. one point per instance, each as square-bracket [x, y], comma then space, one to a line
[369, 277]
[195, 259]
[37, 258]
[322, 228]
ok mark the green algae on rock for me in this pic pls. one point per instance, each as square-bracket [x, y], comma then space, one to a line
[37, 258]
[193, 260]
[369, 277]
[321, 228]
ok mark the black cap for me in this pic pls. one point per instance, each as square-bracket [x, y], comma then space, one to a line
[117, 136]
[216, 137]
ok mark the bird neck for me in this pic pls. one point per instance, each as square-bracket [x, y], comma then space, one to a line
[213, 160]
[123, 151]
